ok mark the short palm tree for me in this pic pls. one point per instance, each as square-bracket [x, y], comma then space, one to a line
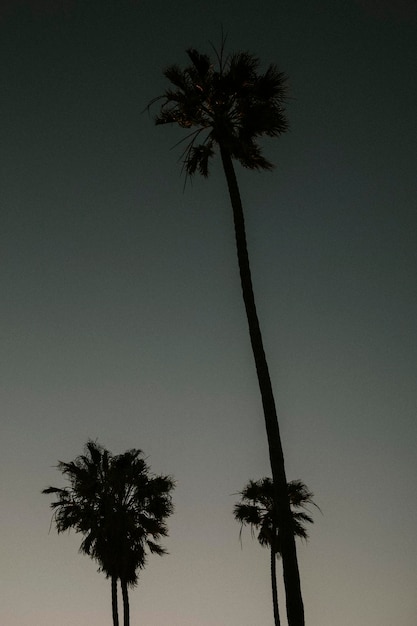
[119, 508]
[228, 105]
[257, 510]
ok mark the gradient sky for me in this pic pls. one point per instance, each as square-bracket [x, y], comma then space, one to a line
[122, 320]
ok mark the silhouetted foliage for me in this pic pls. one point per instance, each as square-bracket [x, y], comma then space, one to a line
[119, 508]
[257, 510]
[227, 105]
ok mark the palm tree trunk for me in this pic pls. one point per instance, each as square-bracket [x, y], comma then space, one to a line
[126, 615]
[294, 602]
[274, 587]
[114, 606]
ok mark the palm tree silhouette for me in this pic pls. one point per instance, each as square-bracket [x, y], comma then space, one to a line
[119, 508]
[257, 510]
[229, 105]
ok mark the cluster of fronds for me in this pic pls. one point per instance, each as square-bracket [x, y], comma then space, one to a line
[118, 507]
[228, 104]
[257, 510]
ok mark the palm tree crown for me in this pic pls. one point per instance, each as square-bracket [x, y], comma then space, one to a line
[118, 507]
[257, 510]
[134, 517]
[229, 104]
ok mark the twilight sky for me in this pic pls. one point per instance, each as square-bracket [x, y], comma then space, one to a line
[121, 316]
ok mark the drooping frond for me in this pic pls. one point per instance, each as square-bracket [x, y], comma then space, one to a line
[198, 159]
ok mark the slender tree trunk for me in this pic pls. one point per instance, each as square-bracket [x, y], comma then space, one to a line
[274, 587]
[126, 615]
[114, 606]
[294, 602]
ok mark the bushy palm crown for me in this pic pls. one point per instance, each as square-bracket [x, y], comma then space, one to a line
[257, 510]
[228, 104]
[118, 507]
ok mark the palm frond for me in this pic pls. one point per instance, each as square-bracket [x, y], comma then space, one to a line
[201, 62]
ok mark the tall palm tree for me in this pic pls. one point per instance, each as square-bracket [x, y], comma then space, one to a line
[119, 508]
[229, 105]
[257, 509]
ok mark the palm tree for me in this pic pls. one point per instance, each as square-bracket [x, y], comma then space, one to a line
[141, 505]
[257, 510]
[228, 105]
[119, 508]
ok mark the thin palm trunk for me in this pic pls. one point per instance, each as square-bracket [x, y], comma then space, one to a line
[294, 602]
[114, 606]
[274, 587]
[125, 595]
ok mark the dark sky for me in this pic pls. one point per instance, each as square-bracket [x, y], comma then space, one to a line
[121, 317]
